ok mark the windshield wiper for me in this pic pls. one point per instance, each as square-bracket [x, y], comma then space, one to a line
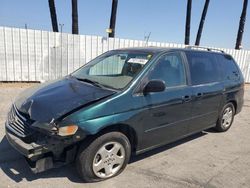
[95, 83]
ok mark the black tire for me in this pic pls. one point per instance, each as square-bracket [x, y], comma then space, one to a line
[219, 126]
[86, 155]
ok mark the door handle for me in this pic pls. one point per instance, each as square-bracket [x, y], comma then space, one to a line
[236, 73]
[199, 95]
[186, 98]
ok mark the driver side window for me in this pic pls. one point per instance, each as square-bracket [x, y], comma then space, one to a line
[170, 69]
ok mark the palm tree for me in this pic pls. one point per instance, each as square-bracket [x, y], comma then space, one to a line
[188, 20]
[53, 15]
[113, 18]
[75, 29]
[241, 25]
[203, 17]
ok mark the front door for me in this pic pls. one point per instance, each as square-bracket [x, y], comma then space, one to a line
[167, 114]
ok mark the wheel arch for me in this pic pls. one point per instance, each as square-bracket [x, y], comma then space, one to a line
[123, 128]
[234, 102]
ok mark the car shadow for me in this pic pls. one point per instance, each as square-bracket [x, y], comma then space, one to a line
[16, 168]
[211, 130]
[152, 152]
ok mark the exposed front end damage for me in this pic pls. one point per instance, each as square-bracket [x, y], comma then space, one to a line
[36, 126]
[42, 150]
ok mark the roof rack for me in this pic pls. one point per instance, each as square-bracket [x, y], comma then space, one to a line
[205, 48]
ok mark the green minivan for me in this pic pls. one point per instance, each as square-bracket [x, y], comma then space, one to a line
[124, 102]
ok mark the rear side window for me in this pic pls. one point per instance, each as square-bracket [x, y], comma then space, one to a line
[230, 69]
[203, 68]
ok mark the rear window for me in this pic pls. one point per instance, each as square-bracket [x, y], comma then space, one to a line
[203, 68]
[230, 69]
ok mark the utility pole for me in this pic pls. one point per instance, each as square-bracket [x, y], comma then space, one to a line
[111, 30]
[203, 17]
[241, 25]
[188, 20]
[146, 38]
[61, 27]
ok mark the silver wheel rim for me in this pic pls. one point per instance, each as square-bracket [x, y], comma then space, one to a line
[108, 160]
[227, 117]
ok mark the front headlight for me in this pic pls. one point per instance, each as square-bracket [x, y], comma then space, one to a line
[67, 130]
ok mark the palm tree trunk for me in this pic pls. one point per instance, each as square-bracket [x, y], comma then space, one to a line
[75, 29]
[113, 18]
[188, 20]
[203, 17]
[241, 25]
[53, 15]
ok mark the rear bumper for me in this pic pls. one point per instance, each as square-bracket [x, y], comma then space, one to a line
[49, 153]
[240, 101]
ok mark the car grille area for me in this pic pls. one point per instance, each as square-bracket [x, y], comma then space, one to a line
[18, 123]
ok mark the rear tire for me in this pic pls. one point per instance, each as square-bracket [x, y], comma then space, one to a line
[105, 157]
[226, 118]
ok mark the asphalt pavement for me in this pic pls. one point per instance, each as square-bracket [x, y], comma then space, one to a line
[206, 159]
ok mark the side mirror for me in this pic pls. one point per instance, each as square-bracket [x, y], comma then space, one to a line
[154, 86]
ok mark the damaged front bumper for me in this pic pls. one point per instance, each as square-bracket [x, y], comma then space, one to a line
[46, 153]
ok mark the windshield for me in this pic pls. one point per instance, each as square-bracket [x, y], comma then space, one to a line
[113, 69]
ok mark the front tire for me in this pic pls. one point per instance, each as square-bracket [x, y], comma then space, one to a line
[226, 118]
[105, 157]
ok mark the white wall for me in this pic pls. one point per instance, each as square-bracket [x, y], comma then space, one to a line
[34, 55]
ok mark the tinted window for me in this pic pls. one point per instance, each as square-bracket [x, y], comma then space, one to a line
[203, 68]
[229, 67]
[170, 69]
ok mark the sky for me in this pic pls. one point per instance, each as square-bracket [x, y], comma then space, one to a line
[165, 19]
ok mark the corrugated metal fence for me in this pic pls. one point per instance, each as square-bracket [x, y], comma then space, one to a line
[34, 55]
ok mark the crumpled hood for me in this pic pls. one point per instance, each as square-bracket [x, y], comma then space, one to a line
[54, 99]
